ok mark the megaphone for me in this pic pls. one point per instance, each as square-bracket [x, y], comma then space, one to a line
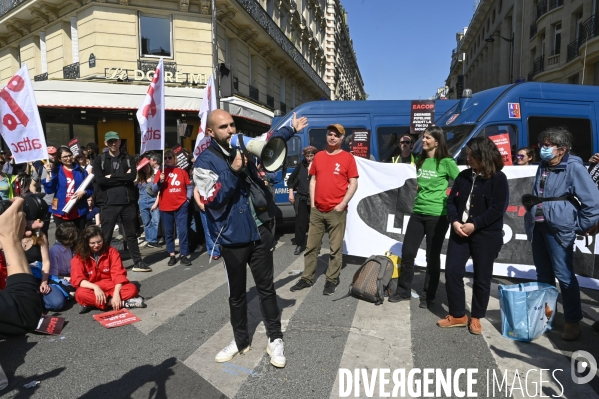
[271, 153]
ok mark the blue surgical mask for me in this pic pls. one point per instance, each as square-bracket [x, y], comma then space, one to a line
[547, 154]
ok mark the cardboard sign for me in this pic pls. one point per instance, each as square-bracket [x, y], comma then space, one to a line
[182, 160]
[75, 147]
[116, 318]
[502, 141]
[513, 110]
[360, 145]
[422, 115]
[50, 325]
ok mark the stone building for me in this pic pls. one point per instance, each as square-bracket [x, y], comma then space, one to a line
[91, 61]
[544, 40]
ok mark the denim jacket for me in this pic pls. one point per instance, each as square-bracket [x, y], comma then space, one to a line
[563, 219]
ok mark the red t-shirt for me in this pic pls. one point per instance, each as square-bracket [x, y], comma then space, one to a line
[73, 213]
[173, 191]
[332, 173]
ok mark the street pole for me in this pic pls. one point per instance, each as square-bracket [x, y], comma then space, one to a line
[512, 60]
[215, 55]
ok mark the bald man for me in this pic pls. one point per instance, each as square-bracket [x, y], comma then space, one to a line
[222, 177]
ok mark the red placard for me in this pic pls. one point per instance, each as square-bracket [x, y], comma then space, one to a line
[50, 325]
[143, 162]
[116, 318]
[502, 141]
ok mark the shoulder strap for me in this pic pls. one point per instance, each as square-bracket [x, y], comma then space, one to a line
[103, 160]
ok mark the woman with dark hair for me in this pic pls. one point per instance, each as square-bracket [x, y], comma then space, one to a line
[434, 169]
[61, 252]
[175, 191]
[299, 196]
[92, 151]
[148, 204]
[552, 225]
[476, 205]
[525, 156]
[98, 275]
[63, 178]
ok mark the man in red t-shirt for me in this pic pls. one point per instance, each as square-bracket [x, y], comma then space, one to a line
[332, 185]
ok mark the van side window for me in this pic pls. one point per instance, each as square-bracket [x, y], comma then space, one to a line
[294, 149]
[580, 128]
[318, 138]
[388, 141]
[493, 131]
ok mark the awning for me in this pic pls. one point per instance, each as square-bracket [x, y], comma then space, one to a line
[87, 94]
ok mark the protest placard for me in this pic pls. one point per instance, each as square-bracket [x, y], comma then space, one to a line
[116, 318]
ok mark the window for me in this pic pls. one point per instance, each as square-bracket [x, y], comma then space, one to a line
[59, 132]
[496, 130]
[85, 134]
[294, 150]
[388, 141]
[318, 138]
[155, 36]
[582, 145]
[578, 24]
[557, 38]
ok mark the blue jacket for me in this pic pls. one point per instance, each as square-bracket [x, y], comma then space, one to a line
[225, 198]
[58, 186]
[564, 220]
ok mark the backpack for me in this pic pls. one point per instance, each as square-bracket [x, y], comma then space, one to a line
[371, 279]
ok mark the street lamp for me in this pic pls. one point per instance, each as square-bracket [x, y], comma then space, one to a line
[490, 39]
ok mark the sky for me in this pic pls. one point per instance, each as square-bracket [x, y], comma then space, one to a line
[404, 47]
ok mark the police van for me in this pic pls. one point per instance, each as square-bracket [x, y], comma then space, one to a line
[372, 130]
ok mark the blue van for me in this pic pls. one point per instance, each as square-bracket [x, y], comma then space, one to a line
[386, 122]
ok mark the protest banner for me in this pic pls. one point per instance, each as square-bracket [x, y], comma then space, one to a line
[360, 144]
[116, 318]
[422, 115]
[50, 325]
[75, 147]
[150, 114]
[208, 105]
[502, 141]
[21, 127]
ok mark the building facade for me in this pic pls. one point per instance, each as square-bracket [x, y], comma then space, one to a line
[92, 61]
[544, 40]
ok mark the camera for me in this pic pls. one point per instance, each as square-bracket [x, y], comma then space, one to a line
[34, 207]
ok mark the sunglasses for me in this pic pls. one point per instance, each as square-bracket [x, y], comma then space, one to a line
[405, 142]
[520, 156]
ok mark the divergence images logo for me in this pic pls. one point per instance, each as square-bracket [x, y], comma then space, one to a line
[583, 363]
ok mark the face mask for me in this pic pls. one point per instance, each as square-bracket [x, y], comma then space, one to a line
[547, 154]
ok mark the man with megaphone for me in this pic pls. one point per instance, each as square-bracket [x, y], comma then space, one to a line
[240, 208]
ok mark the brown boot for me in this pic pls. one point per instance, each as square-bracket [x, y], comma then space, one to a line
[474, 326]
[571, 331]
[450, 321]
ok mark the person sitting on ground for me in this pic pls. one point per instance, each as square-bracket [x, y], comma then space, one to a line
[525, 156]
[98, 275]
[61, 252]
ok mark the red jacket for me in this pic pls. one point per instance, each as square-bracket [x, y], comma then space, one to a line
[108, 267]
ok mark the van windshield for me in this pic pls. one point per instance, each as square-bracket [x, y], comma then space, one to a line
[456, 135]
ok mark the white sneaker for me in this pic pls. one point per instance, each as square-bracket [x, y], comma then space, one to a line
[229, 352]
[276, 351]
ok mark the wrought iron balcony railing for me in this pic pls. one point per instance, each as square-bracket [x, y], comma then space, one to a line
[254, 93]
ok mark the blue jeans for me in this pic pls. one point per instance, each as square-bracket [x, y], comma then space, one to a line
[150, 218]
[169, 220]
[54, 300]
[553, 261]
[210, 247]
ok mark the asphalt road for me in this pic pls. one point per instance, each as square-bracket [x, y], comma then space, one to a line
[170, 353]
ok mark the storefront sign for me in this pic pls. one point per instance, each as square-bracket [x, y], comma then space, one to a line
[360, 145]
[139, 75]
[422, 115]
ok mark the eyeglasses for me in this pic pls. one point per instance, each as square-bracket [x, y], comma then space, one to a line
[547, 145]
[66, 156]
[520, 156]
[112, 141]
[405, 142]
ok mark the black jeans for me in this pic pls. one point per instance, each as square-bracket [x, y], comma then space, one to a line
[20, 305]
[108, 217]
[302, 219]
[79, 222]
[258, 255]
[434, 228]
[484, 247]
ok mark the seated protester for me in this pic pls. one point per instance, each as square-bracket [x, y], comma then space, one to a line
[61, 252]
[98, 275]
[36, 252]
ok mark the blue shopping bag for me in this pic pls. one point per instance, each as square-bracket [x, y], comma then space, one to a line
[527, 310]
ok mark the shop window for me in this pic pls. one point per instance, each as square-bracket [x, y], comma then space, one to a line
[582, 143]
[58, 133]
[85, 133]
[388, 141]
[155, 36]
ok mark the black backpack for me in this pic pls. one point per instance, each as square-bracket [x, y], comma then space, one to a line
[371, 279]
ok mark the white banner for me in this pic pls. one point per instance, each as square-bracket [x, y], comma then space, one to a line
[150, 114]
[20, 124]
[208, 105]
[379, 212]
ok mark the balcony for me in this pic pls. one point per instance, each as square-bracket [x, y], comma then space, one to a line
[283, 108]
[544, 6]
[590, 29]
[270, 101]
[538, 66]
[7, 5]
[71, 71]
[254, 93]
[553, 59]
[573, 50]
[41, 77]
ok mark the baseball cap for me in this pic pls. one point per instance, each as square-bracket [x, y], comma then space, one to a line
[111, 136]
[337, 127]
[51, 150]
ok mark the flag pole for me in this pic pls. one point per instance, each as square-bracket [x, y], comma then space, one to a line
[215, 54]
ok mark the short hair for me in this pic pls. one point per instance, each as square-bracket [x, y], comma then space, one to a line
[486, 153]
[155, 157]
[66, 234]
[529, 152]
[559, 136]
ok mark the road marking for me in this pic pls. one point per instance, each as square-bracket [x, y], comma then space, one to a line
[228, 377]
[521, 237]
[373, 340]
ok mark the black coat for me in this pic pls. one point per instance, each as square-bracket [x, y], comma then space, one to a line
[118, 189]
[299, 180]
